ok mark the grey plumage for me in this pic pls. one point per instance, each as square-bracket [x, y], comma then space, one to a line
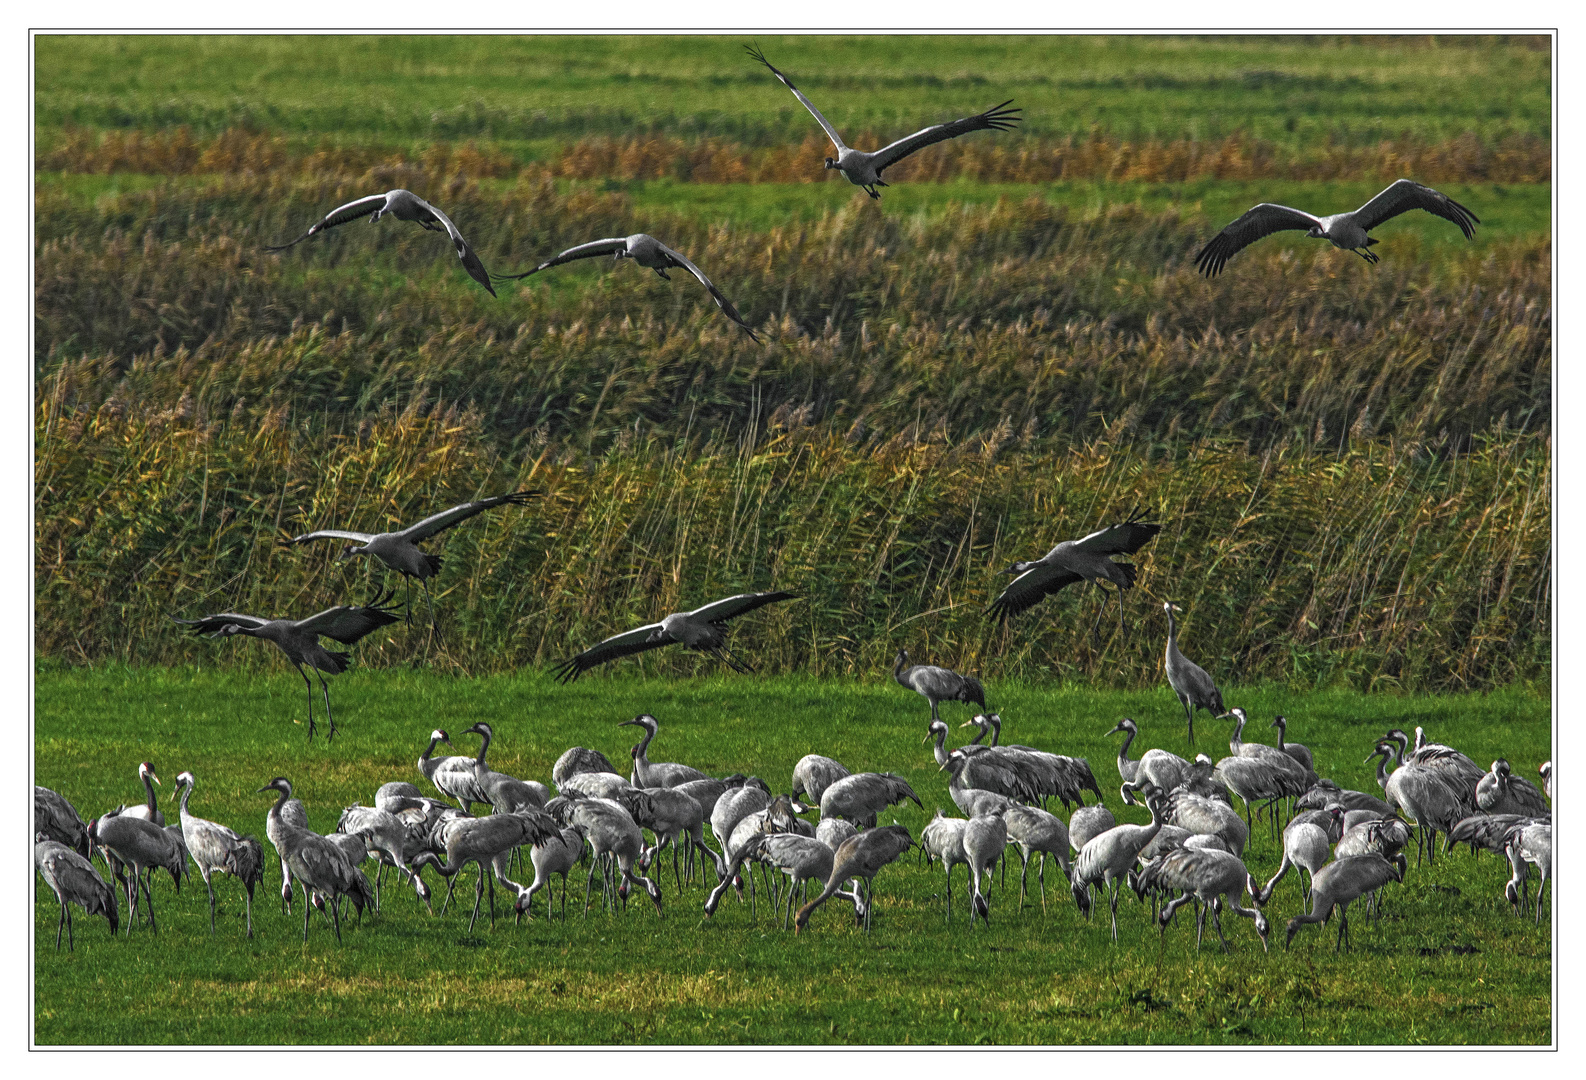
[648, 774]
[1087, 823]
[609, 829]
[578, 759]
[1047, 774]
[1347, 231]
[1305, 847]
[860, 856]
[1529, 844]
[942, 840]
[814, 774]
[1085, 559]
[1036, 831]
[1339, 884]
[703, 629]
[384, 834]
[937, 684]
[138, 845]
[505, 793]
[1214, 878]
[1324, 791]
[315, 863]
[487, 841]
[862, 796]
[213, 847]
[1501, 792]
[399, 550]
[1199, 814]
[456, 775]
[551, 857]
[73, 880]
[985, 840]
[299, 640]
[980, 783]
[1546, 771]
[1107, 858]
[1431, 797]
[58, 820]
[1299, 753]
[1188, 679]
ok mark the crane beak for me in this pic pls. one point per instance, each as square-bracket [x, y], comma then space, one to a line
[626, 723]
[966, 723]
[267, 787]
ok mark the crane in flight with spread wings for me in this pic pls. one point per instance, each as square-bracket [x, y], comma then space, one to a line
[1085, 559]
[703, 628]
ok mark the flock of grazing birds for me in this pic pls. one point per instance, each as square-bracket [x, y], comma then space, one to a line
[1350, 843]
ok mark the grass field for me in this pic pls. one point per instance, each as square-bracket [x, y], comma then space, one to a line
[1447, 963]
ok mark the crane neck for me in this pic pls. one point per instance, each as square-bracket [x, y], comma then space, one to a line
[187, 793]
[941, 745]
[644, 744]
[1281, 726]
[996, 728]
[1382, 771]
[1172, 629]
[899, 666]
[484, 746]
[280, 803]
[1236, 740]
[980, 733]
[148, 787]
[1123, 751]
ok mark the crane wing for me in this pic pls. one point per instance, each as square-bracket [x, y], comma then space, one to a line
[998, 118]
[1402, 195]
[1123, 538]
[618, 645]
[831, 132]
[465, 252]
[216, 624]
[721, 301]
[461, 512]
[340, 216]
[722, 610]
[1255, 223]
[1030, 588]
[572, 254]
[333, 534]
[348, 623]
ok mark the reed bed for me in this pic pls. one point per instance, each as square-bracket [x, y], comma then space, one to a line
[1383, 565]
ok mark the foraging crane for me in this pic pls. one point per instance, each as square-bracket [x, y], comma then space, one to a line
[595, 785]
[314, 862]
[943, 839]
[58, 820]
[1490, 832]
[862, 796]
[399, 550]
[776, 817]
[708, 792]
[802, 858]
[1346, 231]
[1188, 679]
[140, 845]
[1036, 831]
[399, 795]
[1332, 820]
[1106, 860]
[1087, 823]
[404, 206]
[660, 774]
[863, 169]
[648, 252]
[673, 816]
[550, 857]
[1212, 878]
[1305, 845]
[1085, 559]
[1299, 753]
[487, 841]
[814, 774]
[733, 807]
[1209, 817]
[384, 834]
[860, 856]
[979, 786]
[1529, 844]
[985, 840]
[74, 880]
[703, 629]
[299, 640]
[1068, 778]
[213, 847]
[579, 759]
[1339, 884]
[608, 828]
[504, 793]
[937, 684]
[1501, 792]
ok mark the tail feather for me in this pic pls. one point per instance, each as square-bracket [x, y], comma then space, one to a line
[339, 661]
[434, 564]
[1130, 572]
[972, 691]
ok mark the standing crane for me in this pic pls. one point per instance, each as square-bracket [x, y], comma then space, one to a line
[703, 629]
[504, 793]
[608, 828]
[1208, 817]
[299, 640]
[149, 810]
[314, 862]
[1546, 771]
[1430, 796]
[1212, 878]
[1305, 845]
[487, 841]
[383, 834]
[1107, 858]
[140, 845]
[1301, 754]
[1067, 778]
[399, 550]
[1188, 679]
[1087, 823]
[648, 775]
[937, 684]
[863, 168]
[455, 776]
[862, 796]
[985, 841]
[213, 847]
[1501, 792]
[1340, 883]
[943, 839]
[1085, 559]
[980, 783]
[860, 856]
[579, 759]
[58, 820]
[74, 880]
[1036, 831]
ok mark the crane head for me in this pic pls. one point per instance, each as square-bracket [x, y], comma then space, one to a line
[181, 779]
[1125, 724]
[831, 163]
[1016, 568]
[1263, 928]
[350, 551]
[1168, 605]
[935, 728]
[280, 784]
[1279, 722]
[440, 736]
[481, 729]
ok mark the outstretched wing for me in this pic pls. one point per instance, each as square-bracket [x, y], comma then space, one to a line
[1252, 225]
[722, 610]
[462, 512]
[471, 263]
[721, 301]
[216, 624]
[583, 251]
[340, 216]
[1029, 589]
[1123, 538]
[333, 534]
[831, 132]
[348, 623]
[996, 118]
[1402, 195]
[618, 645]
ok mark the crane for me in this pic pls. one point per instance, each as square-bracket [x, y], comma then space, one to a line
[1085, 559]
[943, 838]
[313, 861]
[648, 775]
[504, 793]
[1325, 791]
[862, 168]
[862, 796]
[673, 815]
[1107, 858]
[704, 629]
[58, 820]
[1501, 792]
[579, 759]
[149, 810]
[1213, 879]
[1036, 831]
[1301, 754]
[980, 783]
[1529, 844]
[550, 857]
[937, 684]
[1546, 771]
[1067, 778]
[862, 855]
[1339, 884]
[1306, 846]
[141, 845]
[455, 776]
[399, 550]
[1429, 795]
[487, 841]
[213, 847]
[73, 880]
[985, 840]
[383, 833]
[1346, 231]
[299, 640]
[814, 774]
[608, 828]
[404, 206]
[649, 253]
[1210, 817]
[1188, 679]
[1087, 823]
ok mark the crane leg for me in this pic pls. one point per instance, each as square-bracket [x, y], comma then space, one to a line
[1189, 716]
[587, 884]
[1105, 596]
[479, 892]
[306, 908]
[326, 687]
[492, 883]
[1217, 922]
[949, 893]
[147, 892]
[61, 926]
[1024, 873]
[1041, 877]
[1113, 892]
[211, 887]
[335, 914]
[428, 606]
